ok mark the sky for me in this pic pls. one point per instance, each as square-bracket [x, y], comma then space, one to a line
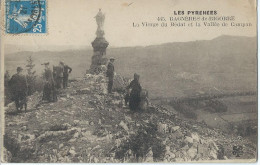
[72, 22]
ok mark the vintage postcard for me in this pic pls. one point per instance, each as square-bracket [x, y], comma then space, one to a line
[129, 81]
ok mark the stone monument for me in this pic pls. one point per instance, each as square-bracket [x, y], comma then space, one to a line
[99, 60]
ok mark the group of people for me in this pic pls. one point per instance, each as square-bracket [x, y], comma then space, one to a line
[133, 94]
[58, 78]
[53, 80]
[61, 75]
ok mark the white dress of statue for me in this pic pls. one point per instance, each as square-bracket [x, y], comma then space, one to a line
[100, 18]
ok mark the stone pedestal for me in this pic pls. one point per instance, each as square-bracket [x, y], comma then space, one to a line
[99, 60]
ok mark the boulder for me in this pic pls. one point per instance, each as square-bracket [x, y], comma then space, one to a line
[124, 126]
[24, 128]
[119, 83]
[100, 78]
[188, 139]
[72, 152]
[118, 142]
[84, 91]
[62, 98]
[61, 145]
[76, 122]
[195, 137]
[76, 135]
[72, 140]
[149, 156]
[169, 156]
[162, 128]
[213, 154]
[192, 152]
[175, 128]
[202, 149]
[177, 134]
[103, 88]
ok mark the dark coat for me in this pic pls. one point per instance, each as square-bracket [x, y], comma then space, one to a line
[110, 70]
[58, 71]
[66, 70]
[49, 91]
[48, 76]
[134, 99]
[18, 83]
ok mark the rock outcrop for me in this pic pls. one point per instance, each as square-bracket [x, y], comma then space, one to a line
[88, 125]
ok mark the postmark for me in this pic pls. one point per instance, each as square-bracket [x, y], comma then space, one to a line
[25, 16]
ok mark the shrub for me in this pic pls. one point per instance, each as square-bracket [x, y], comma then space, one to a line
[31, 75]
[145, 138]
[8, 97]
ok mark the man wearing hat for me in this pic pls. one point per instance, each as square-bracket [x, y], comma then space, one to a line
[19, 88]
[110, 74]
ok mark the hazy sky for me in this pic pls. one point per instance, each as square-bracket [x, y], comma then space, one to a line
[72, 22]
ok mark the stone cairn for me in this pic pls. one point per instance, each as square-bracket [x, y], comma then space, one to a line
[99, 60]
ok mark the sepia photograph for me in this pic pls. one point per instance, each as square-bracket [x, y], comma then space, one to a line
[129, 81]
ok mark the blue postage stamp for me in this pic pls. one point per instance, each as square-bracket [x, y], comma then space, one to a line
[25, 16]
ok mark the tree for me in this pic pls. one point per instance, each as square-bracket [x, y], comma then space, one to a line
[8, 96]
[7, 78]
[31, 75]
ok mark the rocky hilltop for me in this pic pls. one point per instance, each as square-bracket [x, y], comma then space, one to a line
[88, 125]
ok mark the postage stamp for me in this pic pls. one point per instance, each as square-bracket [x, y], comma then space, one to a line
[25, 16]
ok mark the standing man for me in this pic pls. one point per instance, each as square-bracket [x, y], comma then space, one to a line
[58, 75]
[49, 90]
[19, 88]
[66, 71]
[110, 74]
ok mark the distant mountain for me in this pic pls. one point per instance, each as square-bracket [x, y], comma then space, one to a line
[226, 63]
[10, 48]
[225, 53]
